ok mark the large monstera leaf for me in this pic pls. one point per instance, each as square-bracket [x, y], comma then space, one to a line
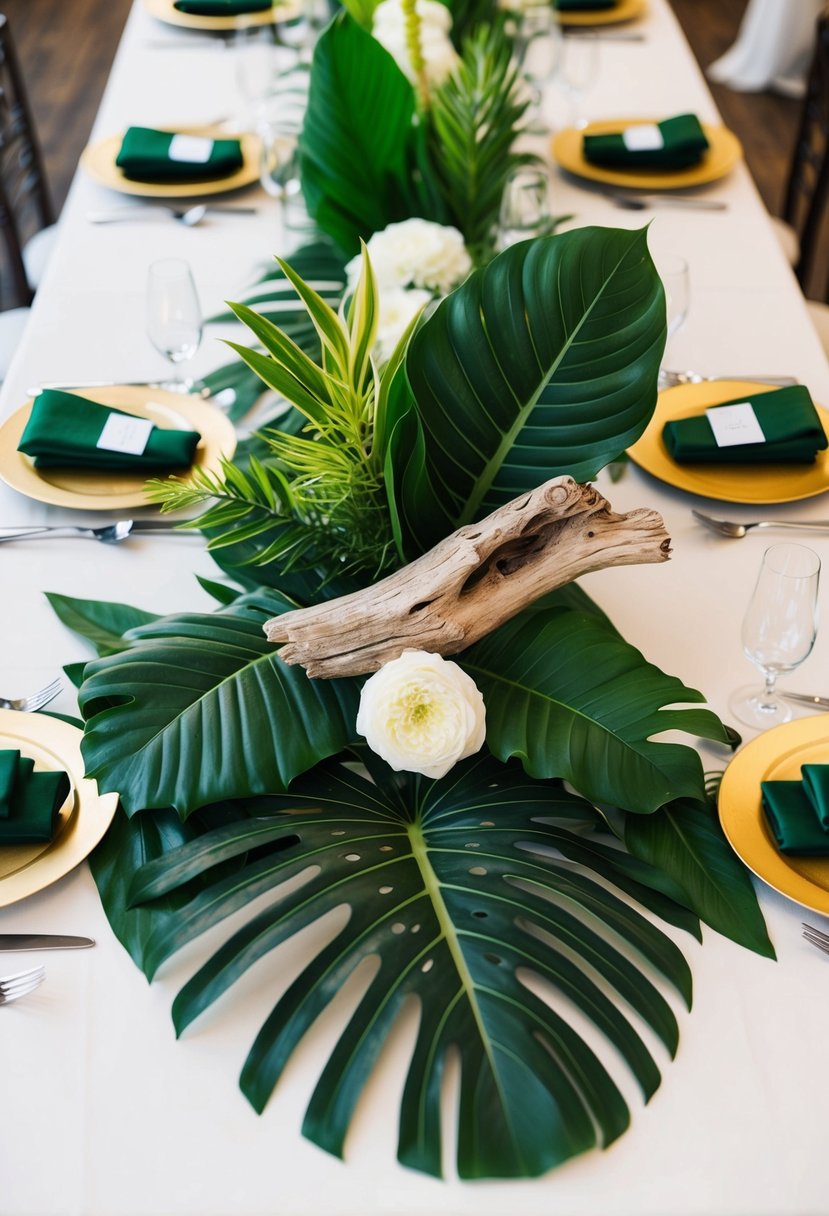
[477, 895]
[199, 707]
[545, 362]
[572, 699]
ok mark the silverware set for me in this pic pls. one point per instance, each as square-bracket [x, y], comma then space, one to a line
[34, 702]
[817, 937]
[736, 531]
[670, 379]
[13, 987]
[109, 534]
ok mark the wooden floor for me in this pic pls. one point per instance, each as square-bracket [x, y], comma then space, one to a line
[66, 85]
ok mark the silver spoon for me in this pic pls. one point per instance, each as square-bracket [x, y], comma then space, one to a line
[735, 531]
[110, 534]
[189, 216]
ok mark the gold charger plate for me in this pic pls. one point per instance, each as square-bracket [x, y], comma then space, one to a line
[164, 10]
[83, 490]
[724, 151]
[755, 483]
[99, 162]
[625, 10]
[776, 755]
[84, 817]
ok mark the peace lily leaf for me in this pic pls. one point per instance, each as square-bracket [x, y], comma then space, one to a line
[201, 708]
[545, 362]
[457, 891]
[355, 140]
[685, 841]
[98, 621]
[573, 700]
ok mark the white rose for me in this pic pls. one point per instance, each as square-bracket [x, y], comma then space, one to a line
[398, 308]
[422, 714]
[416, 253]
[439, 55]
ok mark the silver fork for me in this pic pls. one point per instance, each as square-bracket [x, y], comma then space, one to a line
[110, 534]
[734, 530]
[36, 701]
[670, 379]
[816, 936]
[644, 202]
[12, 987]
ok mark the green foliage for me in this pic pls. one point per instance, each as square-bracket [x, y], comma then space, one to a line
[473, 123]
[199, 708]
[544, 362]
[458, 890]
[319, 498]
[356, 142]
[685, 841]
[590, 722]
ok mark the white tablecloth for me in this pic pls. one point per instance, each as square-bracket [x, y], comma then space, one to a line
[773, 48]
[103, 1113]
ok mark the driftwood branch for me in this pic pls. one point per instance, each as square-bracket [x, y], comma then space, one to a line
[472, 581]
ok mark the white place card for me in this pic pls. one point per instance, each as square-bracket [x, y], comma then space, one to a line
[190, 149]
[735, 424]
[123, 434]
[644, 137]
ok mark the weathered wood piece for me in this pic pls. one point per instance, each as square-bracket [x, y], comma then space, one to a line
[472, 581]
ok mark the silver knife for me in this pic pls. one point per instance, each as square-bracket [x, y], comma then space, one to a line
[33, 390]
[43, 941]
[803, 698]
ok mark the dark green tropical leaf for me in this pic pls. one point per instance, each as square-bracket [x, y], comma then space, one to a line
[98, 621]
[459, 891]
[684, 840]
[574, 700]
[354, 148]
[545, 362]
[201, 708]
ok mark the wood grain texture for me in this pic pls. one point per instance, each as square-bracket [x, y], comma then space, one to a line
[472, 581]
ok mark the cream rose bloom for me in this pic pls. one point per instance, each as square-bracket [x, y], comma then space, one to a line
[439, 55]
[398, 308]
[416, 253]
[422, 714]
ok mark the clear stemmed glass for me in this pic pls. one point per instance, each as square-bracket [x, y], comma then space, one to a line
[676, 279]
[258, 63]
[525, 207]
[779, 630]
[279, 168]
[174, 321]
[577, 72]
[538, 51]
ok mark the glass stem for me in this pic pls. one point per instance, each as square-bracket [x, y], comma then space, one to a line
[769, 698]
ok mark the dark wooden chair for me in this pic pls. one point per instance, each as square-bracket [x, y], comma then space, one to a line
[807, 191]
[25, 203]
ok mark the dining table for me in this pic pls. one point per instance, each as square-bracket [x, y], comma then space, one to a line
[103, 1111]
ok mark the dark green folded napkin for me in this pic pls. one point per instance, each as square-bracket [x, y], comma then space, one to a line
[9, 761]
[683, 145]
[63, 432]
[145, 156]
[222, 8]
[34, 801]
[792, 819]
[816, 787]
[572, 6]
[787, 418]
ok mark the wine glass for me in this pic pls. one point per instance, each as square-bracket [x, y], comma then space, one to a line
[779, 630]
[258, 63]
[538, 51]
[174, 321]
[577, 72]
[525, 207]
[278, 166]
[676, 279]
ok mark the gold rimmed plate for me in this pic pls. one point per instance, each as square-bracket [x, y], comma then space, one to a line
[777, 755]
[166, 11]
[724, 151]
[755, 483]
[98, 160]
[83, 818]
[86, 490]
[625, 10]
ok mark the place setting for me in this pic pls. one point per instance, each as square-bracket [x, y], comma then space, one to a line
[222, 15]
[95, 447]
[591, 14]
